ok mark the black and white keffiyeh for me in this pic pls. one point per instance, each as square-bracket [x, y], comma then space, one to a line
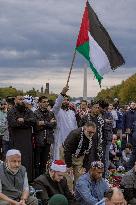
[100, 124]
[81, 144]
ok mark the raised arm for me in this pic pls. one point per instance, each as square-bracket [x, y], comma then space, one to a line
[59, 100]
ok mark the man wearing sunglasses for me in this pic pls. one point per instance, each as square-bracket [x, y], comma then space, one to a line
[90, 187]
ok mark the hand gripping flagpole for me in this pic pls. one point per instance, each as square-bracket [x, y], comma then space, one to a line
[74, 55]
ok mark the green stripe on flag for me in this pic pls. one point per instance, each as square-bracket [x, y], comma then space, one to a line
[84, 50]
[97, 75]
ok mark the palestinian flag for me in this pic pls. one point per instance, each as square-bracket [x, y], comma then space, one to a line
[95, 44]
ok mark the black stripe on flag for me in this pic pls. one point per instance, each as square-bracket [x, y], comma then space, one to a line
[101, 36]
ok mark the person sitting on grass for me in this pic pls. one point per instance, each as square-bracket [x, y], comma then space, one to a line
[14, 188]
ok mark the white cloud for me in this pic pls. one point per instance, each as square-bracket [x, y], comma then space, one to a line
[37, 38]
[14, 54]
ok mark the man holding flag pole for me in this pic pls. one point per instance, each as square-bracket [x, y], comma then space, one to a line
[96, 46]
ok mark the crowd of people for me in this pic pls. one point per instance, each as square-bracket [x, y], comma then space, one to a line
[66, 151]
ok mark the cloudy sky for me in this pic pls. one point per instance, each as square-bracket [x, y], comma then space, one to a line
[38, 37]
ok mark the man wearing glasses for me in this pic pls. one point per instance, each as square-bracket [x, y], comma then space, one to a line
[78, 144]
[95, 116]
[21, 121]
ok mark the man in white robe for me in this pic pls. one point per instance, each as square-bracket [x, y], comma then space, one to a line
[66, 121]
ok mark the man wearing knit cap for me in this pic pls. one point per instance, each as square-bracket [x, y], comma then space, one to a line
[53, 182]
[14, 188]
[58, 199]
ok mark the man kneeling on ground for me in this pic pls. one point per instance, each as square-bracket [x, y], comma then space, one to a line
[53, 182]
[58, 199]
[14, 188]
[90, 187]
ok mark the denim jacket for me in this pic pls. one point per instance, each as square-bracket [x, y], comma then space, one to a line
[88, 191]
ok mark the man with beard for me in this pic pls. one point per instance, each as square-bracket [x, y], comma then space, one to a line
[44, 134]
[96, 117]
[66, 120]
[83, 110]
[20, 121]
[78, 144]
[53, 182]
[90, 187]
[14, 188]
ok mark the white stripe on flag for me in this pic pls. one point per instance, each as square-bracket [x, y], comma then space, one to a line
[98, 57]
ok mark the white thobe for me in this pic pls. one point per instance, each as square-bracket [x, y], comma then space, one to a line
[66, 122]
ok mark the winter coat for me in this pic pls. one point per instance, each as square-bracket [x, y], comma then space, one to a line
[45, 133]
[50, 187]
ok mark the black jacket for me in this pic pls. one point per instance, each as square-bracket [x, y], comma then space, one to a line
[71, 145]
[45, 133]
[129, 119]
[50, 187]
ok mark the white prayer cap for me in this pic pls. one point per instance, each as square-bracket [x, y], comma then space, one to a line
[12, 152]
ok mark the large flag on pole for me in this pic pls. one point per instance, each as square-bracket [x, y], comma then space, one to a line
[95, 44]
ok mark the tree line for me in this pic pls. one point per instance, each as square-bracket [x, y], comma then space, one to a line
[12, 92]
[125, 92]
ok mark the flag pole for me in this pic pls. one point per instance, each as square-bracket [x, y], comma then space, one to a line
[85, 83]
[74, 55]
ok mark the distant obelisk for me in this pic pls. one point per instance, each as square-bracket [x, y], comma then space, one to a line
[85, 83]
